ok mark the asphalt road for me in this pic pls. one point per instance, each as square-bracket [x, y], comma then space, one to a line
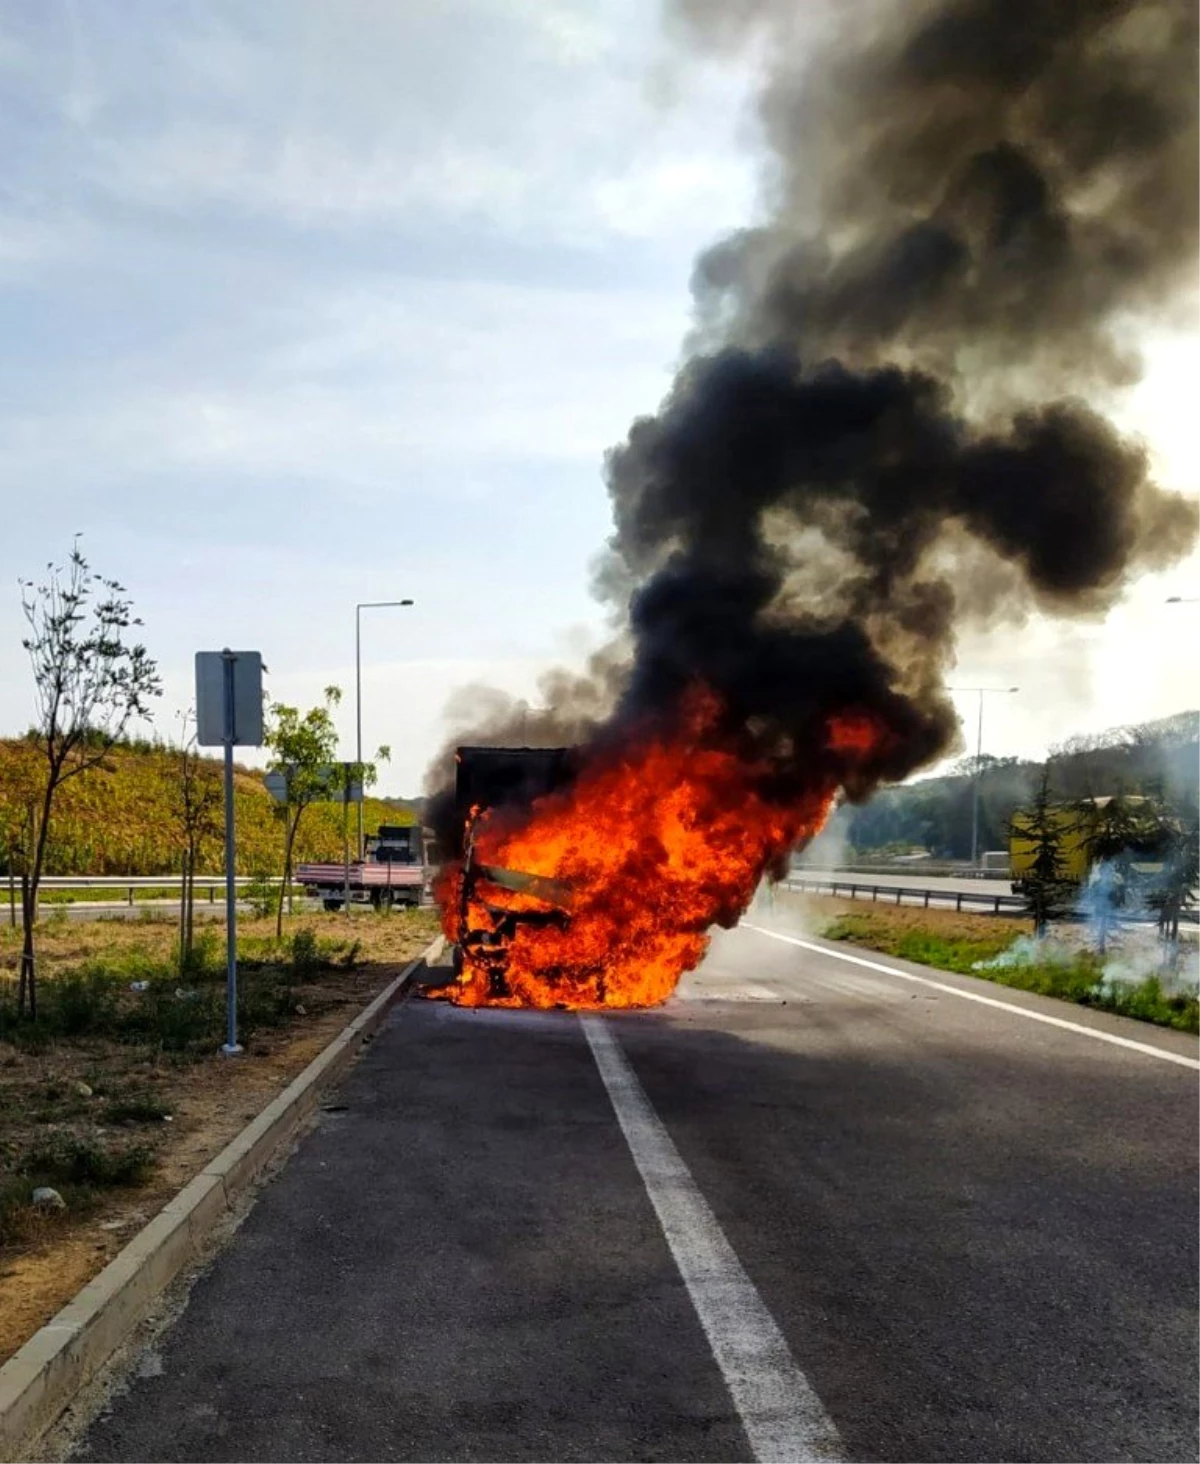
[843, 1212]
[950, 883]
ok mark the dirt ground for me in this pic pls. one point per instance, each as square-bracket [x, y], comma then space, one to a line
[194, 1106]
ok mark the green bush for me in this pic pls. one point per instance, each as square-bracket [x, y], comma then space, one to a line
[261, 895]
[306, 956]
[81, 1001]
[72, 1161]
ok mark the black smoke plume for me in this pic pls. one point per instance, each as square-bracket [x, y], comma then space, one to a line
[881, 432]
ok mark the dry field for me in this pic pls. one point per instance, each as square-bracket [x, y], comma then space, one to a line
[119, 1119]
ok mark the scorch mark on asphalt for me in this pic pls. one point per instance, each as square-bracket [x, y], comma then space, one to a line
[781, 1414]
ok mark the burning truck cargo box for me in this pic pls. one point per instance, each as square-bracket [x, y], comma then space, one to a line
[491, 900]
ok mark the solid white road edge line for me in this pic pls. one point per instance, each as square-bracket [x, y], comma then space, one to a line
[1005, 1006]
[782, 1415]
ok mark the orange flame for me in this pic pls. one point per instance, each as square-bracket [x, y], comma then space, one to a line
[656, 844]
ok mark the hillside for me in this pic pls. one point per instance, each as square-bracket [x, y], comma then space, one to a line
[119, 818]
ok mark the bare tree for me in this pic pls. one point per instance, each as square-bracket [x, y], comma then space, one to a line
[90, 683]
[1173, 893]
[197, 800]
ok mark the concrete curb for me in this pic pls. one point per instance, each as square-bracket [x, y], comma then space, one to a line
[38, 1382]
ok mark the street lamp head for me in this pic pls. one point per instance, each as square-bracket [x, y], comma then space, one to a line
[405, 602]
[1014, 688]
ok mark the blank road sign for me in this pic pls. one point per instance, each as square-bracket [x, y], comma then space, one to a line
[276, 785]
[247, 698]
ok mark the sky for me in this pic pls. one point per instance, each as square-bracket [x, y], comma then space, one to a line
[310, 304]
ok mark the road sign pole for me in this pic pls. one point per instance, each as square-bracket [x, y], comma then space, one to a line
[346, 834]
[231, 1047]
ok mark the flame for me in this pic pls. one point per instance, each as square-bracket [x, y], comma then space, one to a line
[657, 842]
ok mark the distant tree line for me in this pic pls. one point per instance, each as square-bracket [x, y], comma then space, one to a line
[1158, 760]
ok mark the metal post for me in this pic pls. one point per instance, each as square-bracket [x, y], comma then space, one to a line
[346, 833]
[231, 1046]
[975, 799]
[183, 888]
[358, 712]
[358, 756]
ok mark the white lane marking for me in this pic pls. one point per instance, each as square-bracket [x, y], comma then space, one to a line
[1005, 1006]
[783, 1418]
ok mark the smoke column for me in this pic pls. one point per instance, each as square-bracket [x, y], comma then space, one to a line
[881, 432]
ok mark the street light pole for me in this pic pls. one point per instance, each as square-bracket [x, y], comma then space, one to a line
[982, 691]
[358, 756]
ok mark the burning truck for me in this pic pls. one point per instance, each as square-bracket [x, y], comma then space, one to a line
[589, 877]
[879, 436]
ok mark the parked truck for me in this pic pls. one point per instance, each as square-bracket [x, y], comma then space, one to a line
[501, 778]
[1079, 826]
[392, 871]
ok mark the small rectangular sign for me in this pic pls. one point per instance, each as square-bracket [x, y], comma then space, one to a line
[338, 787]
[212, 714]
[276, 785]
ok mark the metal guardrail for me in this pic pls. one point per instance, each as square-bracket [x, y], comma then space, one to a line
[856, 889]
[907, 871]
[143, 881]
[131, 883]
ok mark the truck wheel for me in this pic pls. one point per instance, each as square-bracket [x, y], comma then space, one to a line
[332, 905]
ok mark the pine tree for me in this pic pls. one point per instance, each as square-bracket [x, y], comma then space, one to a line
[1047, 890]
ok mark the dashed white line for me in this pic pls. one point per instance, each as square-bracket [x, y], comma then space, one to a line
[1004, 1006]
[781, 1414]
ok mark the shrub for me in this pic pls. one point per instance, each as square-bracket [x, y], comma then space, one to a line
[63, 1160]
[306, 956]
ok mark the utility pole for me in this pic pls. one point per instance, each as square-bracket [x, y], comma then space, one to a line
[981, 691]
[358, 609]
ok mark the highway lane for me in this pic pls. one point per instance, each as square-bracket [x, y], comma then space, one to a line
[973, 1233]
[951, 884]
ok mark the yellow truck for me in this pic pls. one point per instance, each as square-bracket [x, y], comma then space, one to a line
[1078, 824]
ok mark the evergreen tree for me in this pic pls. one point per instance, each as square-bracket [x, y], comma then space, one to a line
[1047, 890]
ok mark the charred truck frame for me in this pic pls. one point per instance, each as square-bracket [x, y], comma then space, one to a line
[494, 780]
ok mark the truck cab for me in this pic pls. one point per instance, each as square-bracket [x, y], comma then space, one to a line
[394, 844]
